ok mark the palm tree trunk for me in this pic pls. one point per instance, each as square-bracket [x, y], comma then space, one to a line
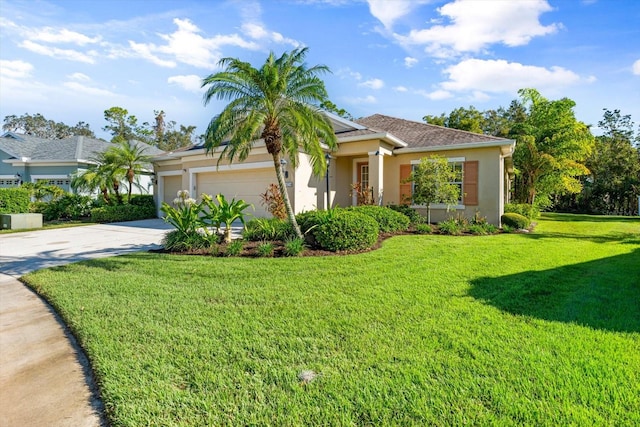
[285, 195]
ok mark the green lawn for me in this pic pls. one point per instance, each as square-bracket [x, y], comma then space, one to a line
[512, 329]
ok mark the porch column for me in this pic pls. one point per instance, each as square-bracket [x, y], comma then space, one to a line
[376, 175]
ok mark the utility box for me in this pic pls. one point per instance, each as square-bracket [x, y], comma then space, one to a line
[20, 221]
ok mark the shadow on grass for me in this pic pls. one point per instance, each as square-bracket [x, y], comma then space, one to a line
[601, 294]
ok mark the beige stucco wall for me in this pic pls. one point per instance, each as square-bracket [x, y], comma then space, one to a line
[307, 192]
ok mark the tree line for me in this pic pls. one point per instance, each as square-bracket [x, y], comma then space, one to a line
[165, 134]
[559, 164]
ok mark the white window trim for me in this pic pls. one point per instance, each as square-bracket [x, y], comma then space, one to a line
[441, 205]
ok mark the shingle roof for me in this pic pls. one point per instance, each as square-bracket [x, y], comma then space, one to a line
[422, 135]
[71, 149]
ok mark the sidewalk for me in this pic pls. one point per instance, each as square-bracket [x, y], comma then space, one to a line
[45, 379]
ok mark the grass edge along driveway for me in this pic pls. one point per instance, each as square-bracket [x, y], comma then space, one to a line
[512, 329]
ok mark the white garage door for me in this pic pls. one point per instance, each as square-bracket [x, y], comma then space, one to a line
[245, 184]
[171, 186]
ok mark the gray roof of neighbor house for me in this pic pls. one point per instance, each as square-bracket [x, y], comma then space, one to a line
[74, 148]
[421, 135]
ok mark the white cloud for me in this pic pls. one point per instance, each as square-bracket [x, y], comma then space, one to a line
[79, 77]
[388, 12]
[372, 84]
[144, 51]
[259, 32]
[348, 72]
[366, 100]
[191, 83]
[52, 35]
[410, 62]
[400, 89]
[88, 90]
[186, 45]
[500, 76]
[54, 52]
[474, 25]
[636, 68]
[437, 95]
[15, 69]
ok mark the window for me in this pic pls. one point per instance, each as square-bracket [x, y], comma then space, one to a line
[363, 175]
[11, 182]
[466, 179]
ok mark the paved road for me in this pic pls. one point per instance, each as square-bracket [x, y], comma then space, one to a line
[44, 376]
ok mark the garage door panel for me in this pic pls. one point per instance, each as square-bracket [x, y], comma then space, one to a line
[245, 185]
[172, 185]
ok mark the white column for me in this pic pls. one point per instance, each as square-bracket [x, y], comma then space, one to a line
[376, 175]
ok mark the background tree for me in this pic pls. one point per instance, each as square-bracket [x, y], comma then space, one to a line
[41, 127]
[125, 127]
[279, 103]
[469, 119]
[613, 186]
[432, 179]
[551, 149]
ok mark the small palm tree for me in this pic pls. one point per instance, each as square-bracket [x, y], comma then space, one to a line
[104, 175]
[132, 158]
[277, 103]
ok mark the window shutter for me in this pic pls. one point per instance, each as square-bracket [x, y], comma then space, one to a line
[405, 187]
[470, 183]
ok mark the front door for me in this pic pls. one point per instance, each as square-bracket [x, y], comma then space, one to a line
[363, 191]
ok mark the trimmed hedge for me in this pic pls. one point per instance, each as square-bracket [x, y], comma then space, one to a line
[142, 200]
[120, 213]
[388, 220]
[524, 209]
[68, 207]
[14, 200]
[515, 220]
[346, 230]
[412, 214]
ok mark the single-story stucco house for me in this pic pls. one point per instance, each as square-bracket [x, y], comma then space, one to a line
[26, 158]
[377, 151]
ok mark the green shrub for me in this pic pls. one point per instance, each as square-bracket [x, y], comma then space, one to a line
[14, 200]
[234, 248]
[268, 229]
[265, 249]
[477, 229]
[179, 241]
[409, 212]
[515, 220]
[68, 207]
[388, 220]
[142, 200]
[507, 229]
[452, 227]
[294, 247]
[424, 229]
[346, 230]
[311, 219]
[120, 213]
[524, 209]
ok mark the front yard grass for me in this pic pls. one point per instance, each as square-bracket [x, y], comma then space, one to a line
[509, 329]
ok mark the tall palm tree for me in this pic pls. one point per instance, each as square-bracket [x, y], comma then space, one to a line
[132, 158]
[277, 103]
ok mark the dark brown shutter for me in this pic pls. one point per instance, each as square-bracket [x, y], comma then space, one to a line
[405, 187]
[470, 183]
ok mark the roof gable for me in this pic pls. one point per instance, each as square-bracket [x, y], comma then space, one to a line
[71, 149]
[422, 135]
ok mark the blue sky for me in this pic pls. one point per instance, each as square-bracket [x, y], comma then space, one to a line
[71, 60]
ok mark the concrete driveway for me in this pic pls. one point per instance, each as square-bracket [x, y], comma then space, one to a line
[45, 379]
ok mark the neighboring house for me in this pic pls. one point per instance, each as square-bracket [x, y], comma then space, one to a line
[26, 158]
[376, 151]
